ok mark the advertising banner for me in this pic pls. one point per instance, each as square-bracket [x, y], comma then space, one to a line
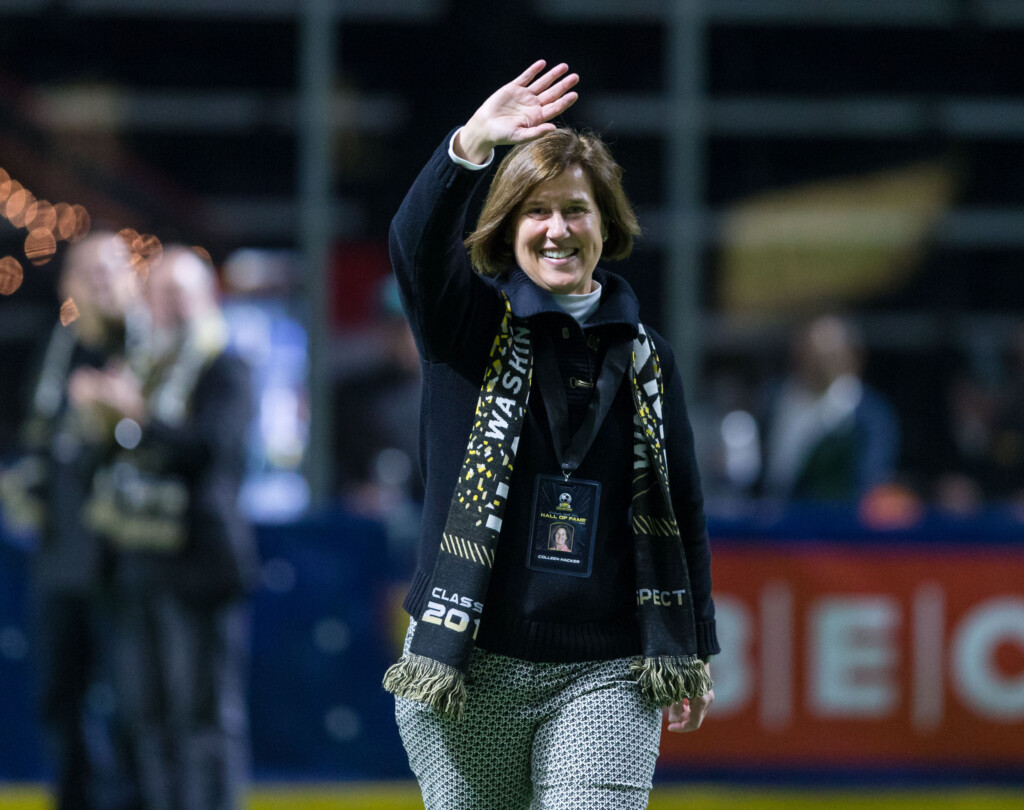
[864, 655]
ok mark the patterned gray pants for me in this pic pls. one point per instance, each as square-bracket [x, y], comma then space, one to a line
[539, 736]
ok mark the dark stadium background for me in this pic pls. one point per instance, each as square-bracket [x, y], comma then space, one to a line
[184, 119]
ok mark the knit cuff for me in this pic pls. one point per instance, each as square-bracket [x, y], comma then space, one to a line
[707, 640]
[449, 173]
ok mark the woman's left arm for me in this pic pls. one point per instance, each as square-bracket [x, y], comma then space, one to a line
[688, 505]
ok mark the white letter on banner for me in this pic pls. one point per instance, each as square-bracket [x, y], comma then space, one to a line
[852, 657]
[979, 682]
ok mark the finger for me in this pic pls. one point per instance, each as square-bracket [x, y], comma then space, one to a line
[678, 715]
[690, 716]
[687, 725]
[530, 73]
[698, 711]
[525, 134]
[558, 107]
[559, 90]
[544, 82]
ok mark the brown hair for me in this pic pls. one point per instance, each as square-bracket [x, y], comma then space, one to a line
[530, 164]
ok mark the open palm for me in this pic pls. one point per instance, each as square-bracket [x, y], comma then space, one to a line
[520, 110]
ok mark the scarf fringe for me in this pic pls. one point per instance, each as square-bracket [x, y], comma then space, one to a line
[416, 677]
[668, 679]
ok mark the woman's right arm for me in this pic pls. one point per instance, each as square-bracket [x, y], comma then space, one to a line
[441, 294]
[439, 290]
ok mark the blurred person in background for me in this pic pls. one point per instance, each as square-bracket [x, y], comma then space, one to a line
[46, 490]
[986, 420]
[827, 434]
[530, 678]
[184, 557]
[1010, 444]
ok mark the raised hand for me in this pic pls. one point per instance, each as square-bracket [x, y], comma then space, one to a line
[519, 111]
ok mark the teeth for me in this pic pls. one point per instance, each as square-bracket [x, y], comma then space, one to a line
[557, 254]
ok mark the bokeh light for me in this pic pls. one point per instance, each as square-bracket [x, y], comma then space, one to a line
[14, 200]
[151, 250]
[11, 275]
[83, 223]
[41, 215]
[48, 223]
[40, 246]
[145, 250]
[131, 238]
[66, 220]
[18, 206]
[7, 185]
[68, 312]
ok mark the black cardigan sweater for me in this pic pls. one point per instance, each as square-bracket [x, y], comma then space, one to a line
[455, 314]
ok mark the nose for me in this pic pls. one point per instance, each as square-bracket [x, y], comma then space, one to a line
[557, 225]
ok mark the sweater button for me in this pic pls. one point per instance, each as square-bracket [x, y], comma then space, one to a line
[565, 333]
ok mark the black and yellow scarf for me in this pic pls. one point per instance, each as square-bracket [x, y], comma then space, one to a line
[433, 671]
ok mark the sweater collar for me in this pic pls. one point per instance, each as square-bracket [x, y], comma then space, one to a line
[619, 304]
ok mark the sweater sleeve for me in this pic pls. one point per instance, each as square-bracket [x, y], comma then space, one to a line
[443, 298]
[688, 501]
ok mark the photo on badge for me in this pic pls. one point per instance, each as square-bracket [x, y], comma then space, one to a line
[560, 537]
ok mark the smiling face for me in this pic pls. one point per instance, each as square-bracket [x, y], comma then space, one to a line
[559, 233]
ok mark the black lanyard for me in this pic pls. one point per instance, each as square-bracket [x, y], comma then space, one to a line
[570, 454]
